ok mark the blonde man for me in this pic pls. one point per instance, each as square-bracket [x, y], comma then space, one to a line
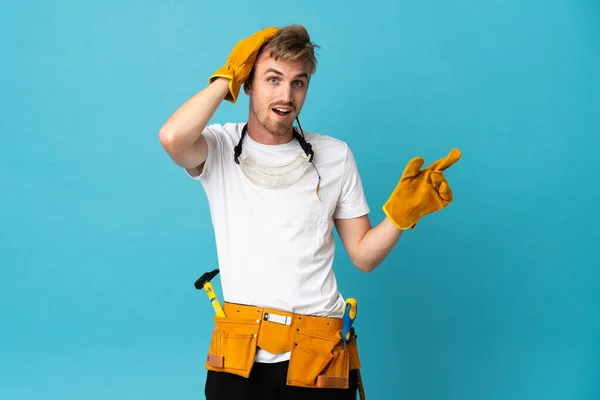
[275, 193]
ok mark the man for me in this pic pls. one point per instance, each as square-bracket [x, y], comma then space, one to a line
[275, 193]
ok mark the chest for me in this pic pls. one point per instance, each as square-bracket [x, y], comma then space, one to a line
[308, 203]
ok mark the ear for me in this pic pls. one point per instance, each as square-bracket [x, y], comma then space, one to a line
[247, 88]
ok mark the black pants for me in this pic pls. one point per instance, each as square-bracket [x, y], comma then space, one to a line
[268, 382]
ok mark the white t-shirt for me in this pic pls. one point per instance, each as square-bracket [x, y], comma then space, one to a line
[275, 246]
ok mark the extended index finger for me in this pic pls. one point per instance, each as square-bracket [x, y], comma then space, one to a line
[443, 163]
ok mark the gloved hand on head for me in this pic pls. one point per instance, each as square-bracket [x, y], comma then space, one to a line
[420, 192]
[241, 60]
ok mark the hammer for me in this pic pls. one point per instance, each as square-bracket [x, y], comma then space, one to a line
[204, 283]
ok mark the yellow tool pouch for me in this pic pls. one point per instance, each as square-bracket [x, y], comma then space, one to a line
[318, 358]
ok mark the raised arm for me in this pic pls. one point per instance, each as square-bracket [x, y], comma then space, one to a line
[418, 193]
[181, 135]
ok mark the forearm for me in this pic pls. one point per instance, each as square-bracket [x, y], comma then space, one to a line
[376, 244]
[186, 124]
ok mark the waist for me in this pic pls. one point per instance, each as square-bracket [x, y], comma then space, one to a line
[238, 311]
[278, 328]
[284, 295]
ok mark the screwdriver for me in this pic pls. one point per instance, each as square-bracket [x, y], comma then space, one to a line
[349, 317]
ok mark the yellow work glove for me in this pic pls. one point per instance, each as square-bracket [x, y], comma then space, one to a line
[420, 192]
[241, 60]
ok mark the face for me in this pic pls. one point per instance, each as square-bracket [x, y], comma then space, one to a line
[277, 93]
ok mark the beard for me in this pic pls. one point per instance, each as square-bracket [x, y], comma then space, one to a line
[273, 126]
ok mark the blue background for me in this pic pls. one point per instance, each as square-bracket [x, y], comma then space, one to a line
[102, 236]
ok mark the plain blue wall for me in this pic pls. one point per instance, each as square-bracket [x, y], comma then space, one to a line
[102, 236]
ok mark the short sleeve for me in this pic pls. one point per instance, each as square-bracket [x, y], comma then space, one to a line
[213, 134]
[352, 202]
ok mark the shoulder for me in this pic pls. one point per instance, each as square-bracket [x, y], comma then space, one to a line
[330, 150]
[228, 133]
[329, 145]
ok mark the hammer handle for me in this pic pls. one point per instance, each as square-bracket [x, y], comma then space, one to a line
[212, 296]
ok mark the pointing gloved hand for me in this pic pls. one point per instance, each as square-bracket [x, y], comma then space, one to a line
[420, 192]
[241, 60]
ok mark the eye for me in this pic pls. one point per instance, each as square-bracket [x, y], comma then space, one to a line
[272, 79]
[299, 83]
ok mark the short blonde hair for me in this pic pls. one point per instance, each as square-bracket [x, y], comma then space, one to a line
[291, 43]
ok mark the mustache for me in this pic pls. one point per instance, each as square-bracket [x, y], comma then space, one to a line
[288, 105]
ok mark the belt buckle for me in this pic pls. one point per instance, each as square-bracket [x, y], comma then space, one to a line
[278, 319]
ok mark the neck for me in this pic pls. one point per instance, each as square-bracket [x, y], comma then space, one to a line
[259, 134]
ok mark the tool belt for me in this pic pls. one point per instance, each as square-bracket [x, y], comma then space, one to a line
[319, 358]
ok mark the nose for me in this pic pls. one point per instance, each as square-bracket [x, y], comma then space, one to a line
[285, 93]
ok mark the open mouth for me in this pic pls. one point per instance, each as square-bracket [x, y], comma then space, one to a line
[281, 111]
